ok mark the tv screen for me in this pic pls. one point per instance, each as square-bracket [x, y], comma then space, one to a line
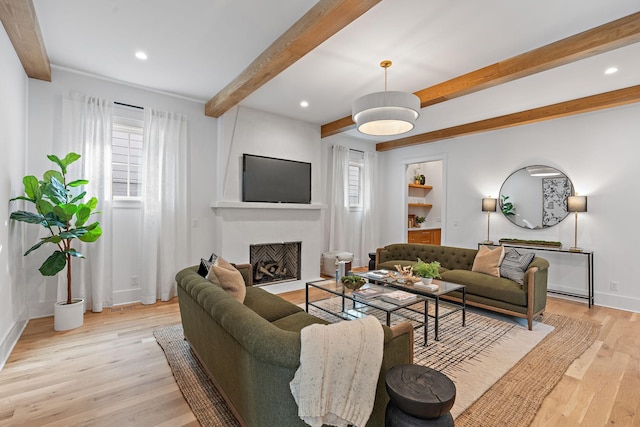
[271, 180]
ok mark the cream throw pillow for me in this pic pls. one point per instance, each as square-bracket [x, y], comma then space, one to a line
[488, 261]
[228, 278]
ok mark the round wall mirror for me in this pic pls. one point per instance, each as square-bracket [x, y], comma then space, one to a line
[535, 197]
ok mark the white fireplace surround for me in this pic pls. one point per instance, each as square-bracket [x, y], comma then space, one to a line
[237, 228]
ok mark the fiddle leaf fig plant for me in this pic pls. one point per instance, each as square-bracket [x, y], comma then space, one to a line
[62, 213]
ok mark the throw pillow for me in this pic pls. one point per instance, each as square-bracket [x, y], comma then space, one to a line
[515, 264]
[204, 268]
[488, 261]
[205, 265]
[226, 276]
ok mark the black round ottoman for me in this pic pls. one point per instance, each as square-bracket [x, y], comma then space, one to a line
[420, 396]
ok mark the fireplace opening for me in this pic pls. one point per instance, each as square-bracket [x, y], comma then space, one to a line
[275, 262]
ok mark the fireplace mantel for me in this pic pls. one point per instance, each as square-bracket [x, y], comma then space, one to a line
[256, 205]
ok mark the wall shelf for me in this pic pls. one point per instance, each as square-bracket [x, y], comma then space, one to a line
[420, 205]
[425, 187]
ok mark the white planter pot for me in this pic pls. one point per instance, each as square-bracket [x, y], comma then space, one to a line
[426, 280]
[68, 316]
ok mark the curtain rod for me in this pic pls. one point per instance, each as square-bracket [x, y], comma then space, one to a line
[128, 105]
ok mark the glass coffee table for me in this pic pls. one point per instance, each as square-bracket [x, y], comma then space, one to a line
[353, 305]
[393, 280]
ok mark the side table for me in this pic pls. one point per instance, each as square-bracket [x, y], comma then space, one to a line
[419, 396]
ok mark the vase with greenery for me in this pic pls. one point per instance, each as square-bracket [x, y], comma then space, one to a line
[352, 282]
[62, 213]
[420, 220]
[427, 270]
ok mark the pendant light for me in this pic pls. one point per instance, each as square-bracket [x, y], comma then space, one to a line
[386, 113]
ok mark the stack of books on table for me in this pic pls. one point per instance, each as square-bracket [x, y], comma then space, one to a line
[367, 293]
[377, 274]
[399, 297]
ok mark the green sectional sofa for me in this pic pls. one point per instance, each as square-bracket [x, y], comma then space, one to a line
[489, 292]
[251, 350]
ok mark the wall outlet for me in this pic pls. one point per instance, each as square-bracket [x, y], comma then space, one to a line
[134, 280]
[614, 285]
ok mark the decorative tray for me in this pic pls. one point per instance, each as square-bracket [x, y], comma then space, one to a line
[541, 243]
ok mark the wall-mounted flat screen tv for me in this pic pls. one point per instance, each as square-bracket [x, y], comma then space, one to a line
[271, 180]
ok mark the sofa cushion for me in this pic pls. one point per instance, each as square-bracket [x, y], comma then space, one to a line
[488, 260]
[295, 322]
[228, 278]
[495, 288]
[204, 267]
[269, 306]
[515, 264]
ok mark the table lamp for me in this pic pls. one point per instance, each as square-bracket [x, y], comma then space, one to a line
[489, 205]
[576, 204]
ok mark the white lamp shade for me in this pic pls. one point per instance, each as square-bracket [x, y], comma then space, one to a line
[489, 204]
[386, 113]
[577, 203]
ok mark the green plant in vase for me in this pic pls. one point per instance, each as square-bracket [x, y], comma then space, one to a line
[427, 270]
[62, 214]
[420, 220]
[353, 282]
[507, 207]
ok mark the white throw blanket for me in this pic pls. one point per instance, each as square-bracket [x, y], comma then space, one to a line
[339, 368]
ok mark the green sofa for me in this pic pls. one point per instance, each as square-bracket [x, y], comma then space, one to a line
[484, 291]
[251, 351]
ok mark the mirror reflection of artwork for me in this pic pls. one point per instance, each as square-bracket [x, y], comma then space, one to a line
[523, 204]
[554, 200]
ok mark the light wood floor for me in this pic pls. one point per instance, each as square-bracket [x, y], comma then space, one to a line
[111, 372]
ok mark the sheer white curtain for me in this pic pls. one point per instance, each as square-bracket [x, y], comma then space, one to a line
[369, 237]
[87, 131]
[338, 235]
[165, 220]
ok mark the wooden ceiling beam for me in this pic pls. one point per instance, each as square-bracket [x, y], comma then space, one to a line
[322, 21]
[21, 24]
[577, 106]
[610, 36]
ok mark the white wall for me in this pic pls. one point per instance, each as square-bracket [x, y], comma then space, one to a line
[245, 130]
[13, 125]
[45, 132]
[596, 151]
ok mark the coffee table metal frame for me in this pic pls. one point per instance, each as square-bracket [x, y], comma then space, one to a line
[443, 289]
[331, 287]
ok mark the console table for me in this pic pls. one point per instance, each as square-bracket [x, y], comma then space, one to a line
[589, 254]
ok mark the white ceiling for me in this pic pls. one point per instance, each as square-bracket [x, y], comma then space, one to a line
[196, 47]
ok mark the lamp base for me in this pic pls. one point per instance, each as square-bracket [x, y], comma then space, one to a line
[488, 242]
[575, 249]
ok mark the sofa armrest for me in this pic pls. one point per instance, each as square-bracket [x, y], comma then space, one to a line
[535, 282]
[247, 273]
[382, 255]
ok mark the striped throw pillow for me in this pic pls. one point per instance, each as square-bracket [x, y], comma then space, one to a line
[515, 264]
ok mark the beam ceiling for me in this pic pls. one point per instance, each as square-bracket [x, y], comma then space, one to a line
[322, 21]
[576, 106]
[21, 24]
[610, 36]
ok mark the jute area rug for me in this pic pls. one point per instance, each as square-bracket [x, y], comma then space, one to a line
[509, 392]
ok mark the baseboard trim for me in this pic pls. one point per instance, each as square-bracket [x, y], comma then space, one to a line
[10, 341]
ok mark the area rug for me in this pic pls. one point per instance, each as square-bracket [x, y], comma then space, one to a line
[474, 356]
[513, 400]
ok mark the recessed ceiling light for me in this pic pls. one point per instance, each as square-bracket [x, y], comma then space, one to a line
[304, 104]
[611, 70]
[141, 55]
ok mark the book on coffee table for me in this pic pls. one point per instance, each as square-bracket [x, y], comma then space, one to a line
[399, 297]
[367, 293]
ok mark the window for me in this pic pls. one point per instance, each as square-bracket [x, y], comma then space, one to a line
[356, 163]
[126, 157]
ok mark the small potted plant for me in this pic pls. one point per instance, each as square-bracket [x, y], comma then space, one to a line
[353, 282]
[416, 179]
[420, 220]
[65, 217]
[427, 271]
